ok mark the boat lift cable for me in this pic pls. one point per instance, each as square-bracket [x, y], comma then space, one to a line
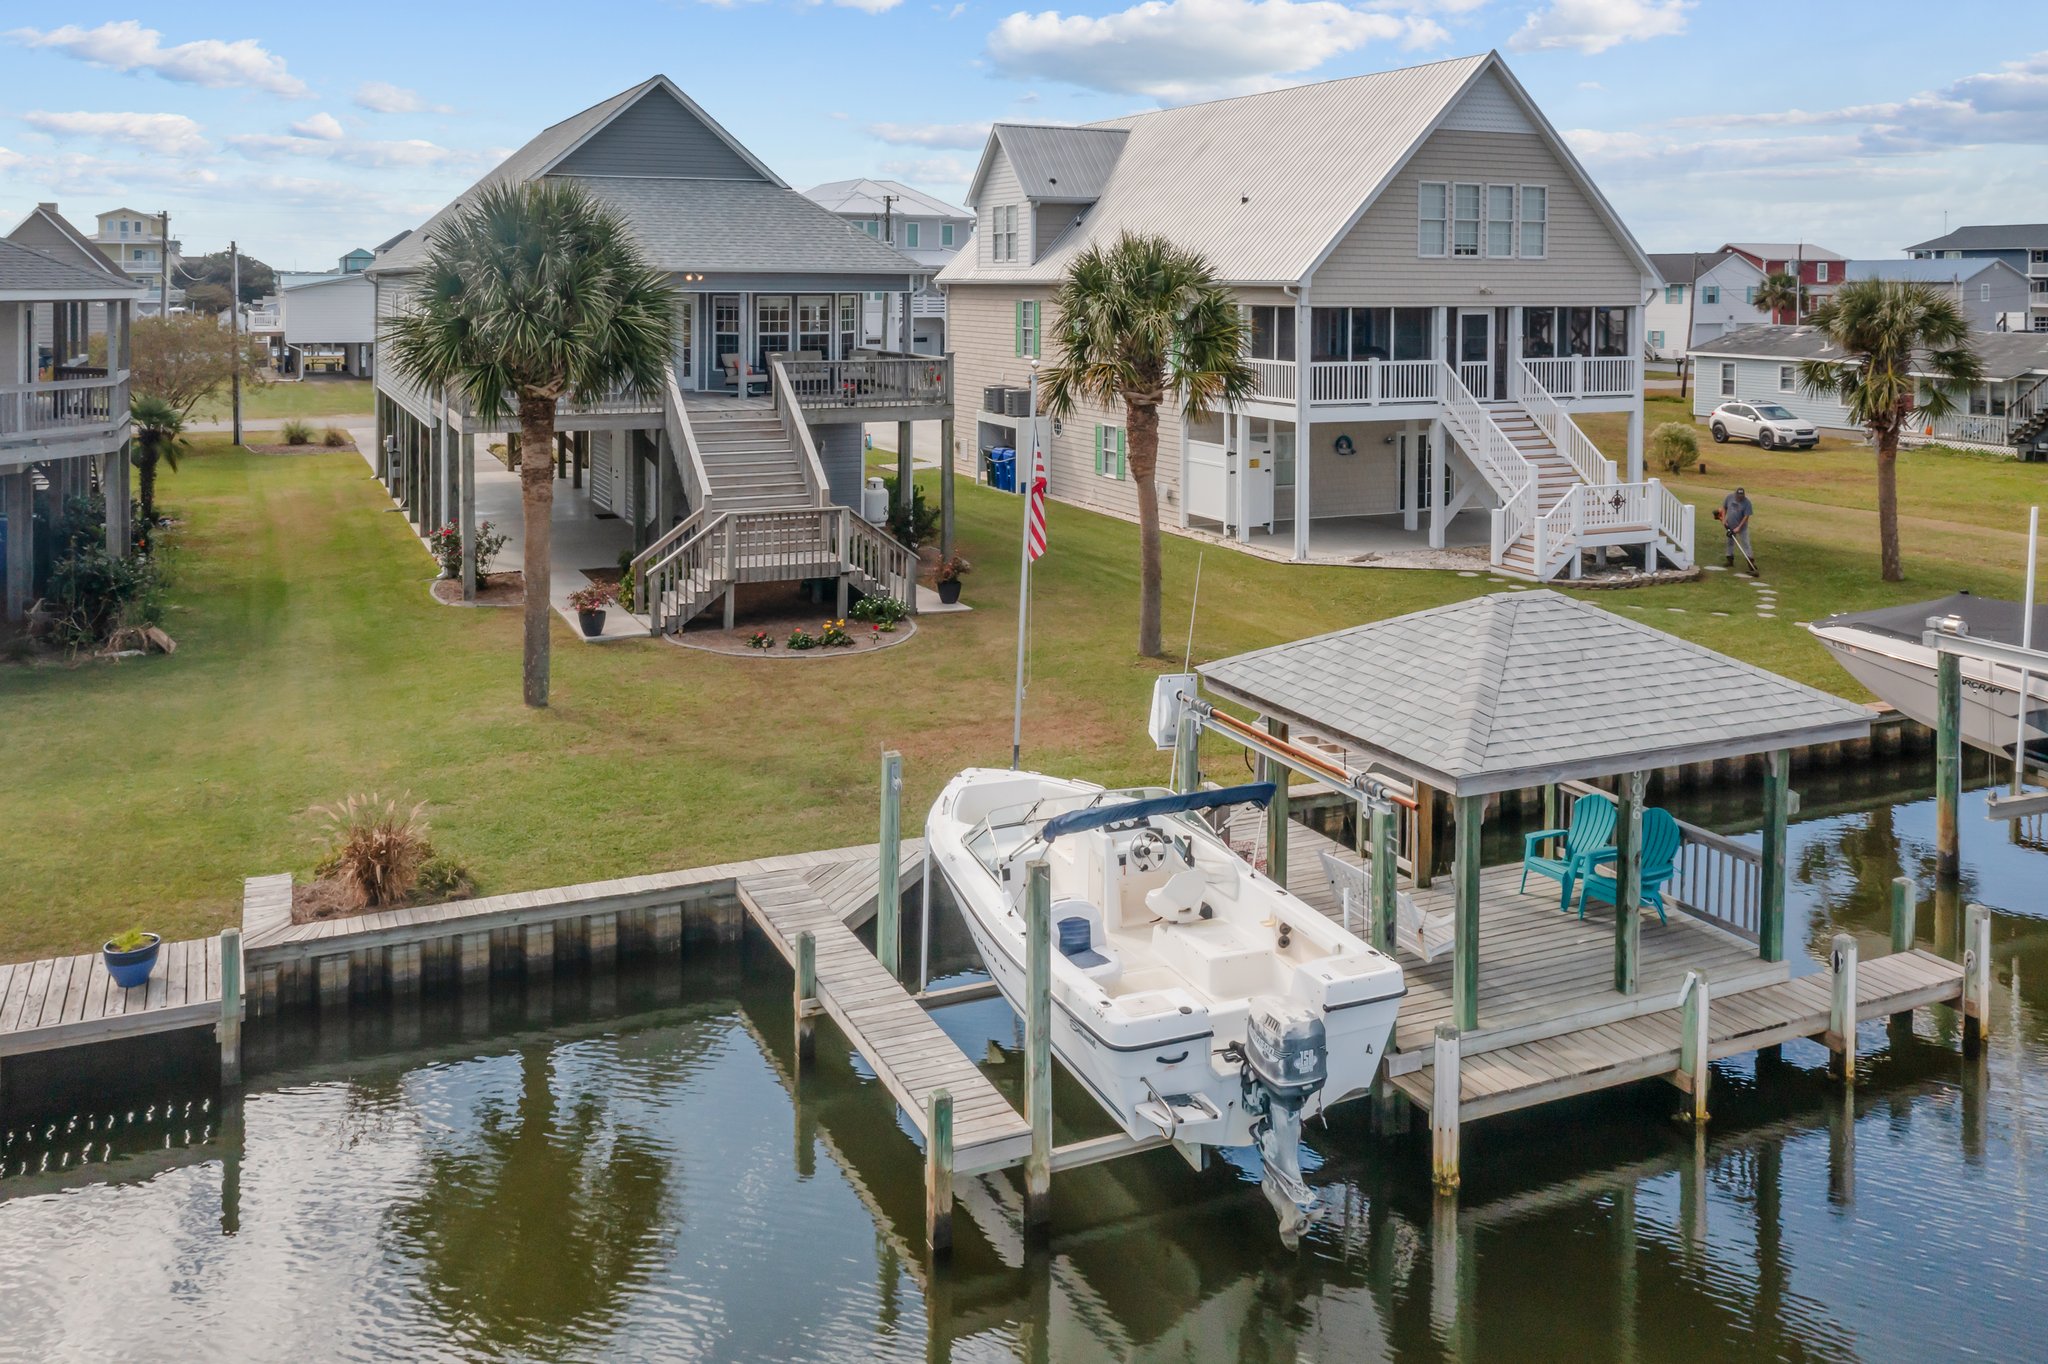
[1360, 786]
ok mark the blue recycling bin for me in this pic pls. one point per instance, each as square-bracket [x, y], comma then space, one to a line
[1002, 470]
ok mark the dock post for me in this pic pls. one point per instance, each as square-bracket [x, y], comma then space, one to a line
[1038, 1042]
[230, 1030]
[538, 948]
[1948, 766]
[924, 916]
[938, 1173]
[1187, 755]
[402, 970]
[1628, 880]
[888, 887]
[1385, 890]
[475, 949]
[1443, 1110]
[1905, 902]
[1465, 934]
[1693, 1051]
[333, 974]
[1777, 814]
[1976, 977]
[1276, 811]
[601, 941]
[806, 995]
[1553, 814]
[1841, 1038]
[1424, 853]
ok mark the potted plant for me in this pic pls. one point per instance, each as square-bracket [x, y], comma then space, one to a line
[590, 603]
[131, 956]
[947, 576]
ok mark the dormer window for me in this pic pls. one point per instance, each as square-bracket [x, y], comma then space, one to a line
[1003, 233]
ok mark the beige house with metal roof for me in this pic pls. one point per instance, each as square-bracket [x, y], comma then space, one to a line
[1435, 287]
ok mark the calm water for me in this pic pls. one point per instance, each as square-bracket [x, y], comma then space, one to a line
[618, 1170]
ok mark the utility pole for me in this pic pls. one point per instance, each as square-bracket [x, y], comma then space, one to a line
[889, 217]
[1692, 304]
[235, 326]
[164, 260]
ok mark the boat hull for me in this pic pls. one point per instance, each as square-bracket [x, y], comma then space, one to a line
[1902, 674]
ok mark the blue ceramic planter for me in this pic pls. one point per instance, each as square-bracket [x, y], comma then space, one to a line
[130, 969]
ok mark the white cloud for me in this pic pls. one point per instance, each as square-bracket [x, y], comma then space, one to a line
[953, 135]
[2008, 106]
[323, 126]
[168, 134]
[125, 45]
[930, 170]
[382, 97]
[868, 6]
[1183, 49]
[371, 155]
[1593, 26]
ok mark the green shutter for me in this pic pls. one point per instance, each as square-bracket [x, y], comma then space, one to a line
[1119, 452]
[1098, 447]
[1020, 326]
[1037, 339]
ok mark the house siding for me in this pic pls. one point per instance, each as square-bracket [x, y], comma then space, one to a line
[390, 382]
[658, 137]
[1585, 263]
[343, 313]
[1001, 188]
[1756, 381]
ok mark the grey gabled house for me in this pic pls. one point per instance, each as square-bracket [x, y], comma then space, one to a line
[761, 417]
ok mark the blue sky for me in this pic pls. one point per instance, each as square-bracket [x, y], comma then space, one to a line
[307, 130]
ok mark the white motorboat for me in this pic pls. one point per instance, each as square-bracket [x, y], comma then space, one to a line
[1882, 649]
[1193, 996]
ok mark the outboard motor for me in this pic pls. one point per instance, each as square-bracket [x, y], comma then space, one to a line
[1285, 1063]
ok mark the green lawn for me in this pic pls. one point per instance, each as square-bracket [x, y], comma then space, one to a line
[301, 398]
[312, 663]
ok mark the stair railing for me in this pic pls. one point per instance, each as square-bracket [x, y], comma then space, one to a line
[683, 441]
[1494, 455]
[676, 565]
[792, 414]
[877, 561]
[2027, 409]
[1544, 409]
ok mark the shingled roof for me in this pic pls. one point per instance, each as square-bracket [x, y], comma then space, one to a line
[24, 270]
[1518, 689]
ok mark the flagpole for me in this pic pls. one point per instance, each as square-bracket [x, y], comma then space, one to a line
[1024, 565]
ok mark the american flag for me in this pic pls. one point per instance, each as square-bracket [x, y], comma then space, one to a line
[1035, 513]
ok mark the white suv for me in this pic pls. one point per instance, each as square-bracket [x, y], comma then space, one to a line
[1768, 424]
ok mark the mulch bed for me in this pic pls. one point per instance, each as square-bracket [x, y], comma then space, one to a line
[311, 448]
[777, 609]
[498, 589]
[313, 901]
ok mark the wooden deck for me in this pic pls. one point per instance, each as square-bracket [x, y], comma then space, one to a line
[908, 1051]
[850, 886]
[68, 1001]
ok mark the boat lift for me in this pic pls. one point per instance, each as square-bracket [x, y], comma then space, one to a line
[1952, 642]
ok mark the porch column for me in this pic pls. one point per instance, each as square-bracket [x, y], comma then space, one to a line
[903, 330]
[383, 424]
[947, 454]
[15, 497]
[465, 474]
[1635, 415]
[906, 490]
[1438, 470]
[1411, 475]
[1770, 929]
[1184, 438]
[1514, 350]
[1243, 479]
[1628, 879]
[1301, 427]
[1465, 934]
[114, 484]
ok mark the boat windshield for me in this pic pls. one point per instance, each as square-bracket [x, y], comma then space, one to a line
[1008, 830]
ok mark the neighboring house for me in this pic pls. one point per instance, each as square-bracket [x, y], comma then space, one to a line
[1433, 286]
[50, 232]
[1990, 292]
[1818, 270]
[928, 230]
[758, 432]
[63, 419]
[330, 325]
[1701, 295]
[2007, 411]
[136, 243]
[2023, 246]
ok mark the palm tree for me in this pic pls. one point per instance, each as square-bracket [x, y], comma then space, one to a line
[534, 293]
[159, 435]
[1779, 293]
[1139, 320]
[1885, 329]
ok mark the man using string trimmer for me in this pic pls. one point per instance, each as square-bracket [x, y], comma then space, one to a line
[1734, 514]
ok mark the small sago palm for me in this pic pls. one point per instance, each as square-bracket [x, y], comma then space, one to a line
[159, 436]
[532, 294]
[1779, 293]
[1139, 321]
[1886, 329]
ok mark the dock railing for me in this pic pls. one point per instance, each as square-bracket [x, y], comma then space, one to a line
[1719, 880]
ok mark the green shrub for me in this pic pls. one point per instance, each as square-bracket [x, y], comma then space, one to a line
[877, 610]
[296, 432]
[443, 878]
[917, 527]
[334, 438]
[1674, 447]
[625, 580]
[96, 593]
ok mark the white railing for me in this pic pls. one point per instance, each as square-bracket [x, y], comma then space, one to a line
[1589, 515]
[877, 562]
[1476, 375]
[621, 401]
[792, 415]
[703, 556]
[1962, 426]
[1372, 382]
[1586, 376]
[873, 381]
[64, 405]
[1526, 387]
[1674, 519]
[675, 415]
[1275, 379]
[1495, 456]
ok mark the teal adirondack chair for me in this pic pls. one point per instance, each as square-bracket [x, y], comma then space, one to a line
[1592, 828]
[1660, 863]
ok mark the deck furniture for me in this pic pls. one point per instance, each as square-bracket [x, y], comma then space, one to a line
[1659, 864]
[1591, 830]
[1422, 935]
[740, 379]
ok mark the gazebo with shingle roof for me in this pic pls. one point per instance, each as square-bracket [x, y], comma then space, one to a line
[1524, 689]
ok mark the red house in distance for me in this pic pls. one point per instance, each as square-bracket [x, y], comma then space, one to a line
[1818, 269]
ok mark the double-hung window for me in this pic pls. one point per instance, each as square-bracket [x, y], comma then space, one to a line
[1500, 220]
[1465, 219]
[945, 234]
[1820, 272]
[1109, 451]
[1710, 293]
[1432, 231]
[1003, 233]
[1983, 293]
[1786, 382]
[1027, 327]
[1727, 379]
[1535, 222]
[1656, 340]
[1674, 293]
[910, 235]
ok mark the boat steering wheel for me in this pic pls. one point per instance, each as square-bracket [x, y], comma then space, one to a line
[1150, 850]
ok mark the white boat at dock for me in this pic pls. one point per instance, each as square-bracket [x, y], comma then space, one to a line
[1194, 997]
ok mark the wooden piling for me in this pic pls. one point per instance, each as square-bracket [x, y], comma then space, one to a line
[1385, 888]
[1276, 810]
[1038, 1042]
[1777, 815]
[1443, 1111]
[537, 944]
[1841, 1035]
[806, 995]
[1187, 755]
[229, 1030]
[938, 1173]
[1948, 766]
[1628, 881]
[1905, 905]
[1976, 977]
[601, 941]
[474, 955]
[334, 981]
[888, 889]
[1423, 854]
[1693, 1052]
[1465, 941]
[402, 970]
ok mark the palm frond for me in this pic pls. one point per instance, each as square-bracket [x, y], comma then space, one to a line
[1905, 350]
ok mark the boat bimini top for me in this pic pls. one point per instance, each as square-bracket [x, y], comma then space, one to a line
[1147, 807]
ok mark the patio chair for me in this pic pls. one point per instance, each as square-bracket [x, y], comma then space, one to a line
[739, 379]
[1661, 840]
[1426, 936]
[1591, 829]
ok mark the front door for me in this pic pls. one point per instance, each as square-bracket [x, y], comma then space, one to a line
[725, 335]
[1475, 351]
[686, 341]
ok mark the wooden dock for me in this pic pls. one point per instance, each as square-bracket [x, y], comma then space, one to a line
[910, 1053]
[71, 1001]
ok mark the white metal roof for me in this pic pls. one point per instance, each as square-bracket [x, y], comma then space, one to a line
[863, 197]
